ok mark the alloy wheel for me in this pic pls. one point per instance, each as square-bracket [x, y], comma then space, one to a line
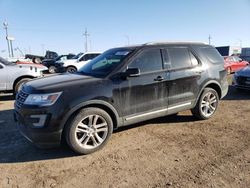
[91, 131]
[209, 104]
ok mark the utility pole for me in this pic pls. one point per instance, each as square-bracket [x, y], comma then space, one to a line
[209, 39]
[5, 25]
[86, 35]
[127, 37]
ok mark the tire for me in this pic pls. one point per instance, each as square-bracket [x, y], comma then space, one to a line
[37, 60]
[19, 84]
[206, 105]
[89, 130]
[52, 69]
[71, 69]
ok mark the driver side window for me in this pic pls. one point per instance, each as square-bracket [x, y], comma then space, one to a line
[148, 61]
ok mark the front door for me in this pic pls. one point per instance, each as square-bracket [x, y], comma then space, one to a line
[147, 92]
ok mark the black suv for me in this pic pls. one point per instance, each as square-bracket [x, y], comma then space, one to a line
[120, 87]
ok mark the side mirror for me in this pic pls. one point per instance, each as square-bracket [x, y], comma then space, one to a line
[132, 72]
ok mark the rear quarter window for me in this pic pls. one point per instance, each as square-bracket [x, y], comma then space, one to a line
[212, 55]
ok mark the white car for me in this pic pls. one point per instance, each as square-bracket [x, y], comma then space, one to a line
[77, 62]
[13, 76]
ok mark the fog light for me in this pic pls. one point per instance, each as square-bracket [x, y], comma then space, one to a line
[41, 119]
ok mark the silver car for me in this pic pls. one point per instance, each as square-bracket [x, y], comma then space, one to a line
[13, 76]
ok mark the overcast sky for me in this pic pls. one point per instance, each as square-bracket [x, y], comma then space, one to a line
[59, 24]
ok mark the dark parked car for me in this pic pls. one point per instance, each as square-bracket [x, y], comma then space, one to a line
[241, 79]
[120, 87]
[52, 64]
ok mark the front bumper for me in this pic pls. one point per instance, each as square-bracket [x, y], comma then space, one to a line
[38, 127]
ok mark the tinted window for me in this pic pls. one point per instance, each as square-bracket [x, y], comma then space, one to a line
[88, 57]
[212, 55]
[194, 60]
[147, 61]
[179, 57]
[94, 55]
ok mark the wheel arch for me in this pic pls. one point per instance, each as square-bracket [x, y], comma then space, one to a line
[20, 78]
[71, 66]
[107, 107]
[211, 84]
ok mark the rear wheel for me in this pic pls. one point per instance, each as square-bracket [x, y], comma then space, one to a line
[71, 69]
[52, 69]
[207, 104]
[89, 130]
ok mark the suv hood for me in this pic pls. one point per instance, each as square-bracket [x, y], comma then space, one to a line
[58, 83]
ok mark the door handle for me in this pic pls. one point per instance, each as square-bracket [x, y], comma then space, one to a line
[199, 71]
[159, 78]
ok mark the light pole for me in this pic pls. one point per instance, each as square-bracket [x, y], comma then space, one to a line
[209, 39]
[127, 37]
[86, 35]
[11, 47]
[5, 26]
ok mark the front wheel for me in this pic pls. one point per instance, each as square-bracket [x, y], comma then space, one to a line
[207, 104]
[71, 69]
[19, 84]
[89, 130]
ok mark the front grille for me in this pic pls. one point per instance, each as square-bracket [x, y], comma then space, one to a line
[20, 98]
[241, 80]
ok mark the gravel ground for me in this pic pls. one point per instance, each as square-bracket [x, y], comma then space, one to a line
[165, 152]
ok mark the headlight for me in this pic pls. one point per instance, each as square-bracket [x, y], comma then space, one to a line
[42, 99]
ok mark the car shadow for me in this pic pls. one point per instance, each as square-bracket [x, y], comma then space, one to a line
[15, 148]
[169, 120]
[6, 97]
[235, 94]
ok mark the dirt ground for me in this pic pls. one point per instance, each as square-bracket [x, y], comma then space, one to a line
[164, 152]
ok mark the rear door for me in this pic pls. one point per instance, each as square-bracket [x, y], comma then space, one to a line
[185, 72]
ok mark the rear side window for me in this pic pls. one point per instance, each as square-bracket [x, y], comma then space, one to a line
[212, 55]
[179, 58]
[148, 61]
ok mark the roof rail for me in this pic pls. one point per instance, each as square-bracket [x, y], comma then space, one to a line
[172, 42]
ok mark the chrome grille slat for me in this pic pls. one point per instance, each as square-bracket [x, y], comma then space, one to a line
[20, 98]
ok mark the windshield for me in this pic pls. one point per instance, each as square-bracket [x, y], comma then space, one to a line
[77, 56]
[105, 63]
[4, 61]
[237, 58]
